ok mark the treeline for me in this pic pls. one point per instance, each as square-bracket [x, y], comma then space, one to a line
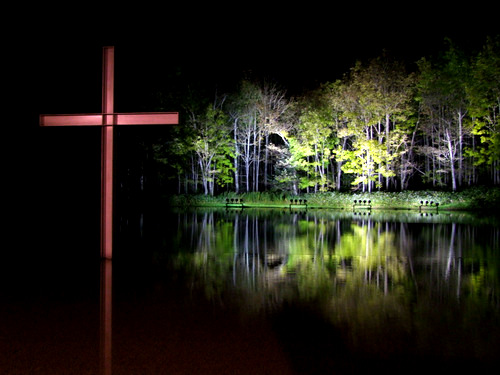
[380, 127]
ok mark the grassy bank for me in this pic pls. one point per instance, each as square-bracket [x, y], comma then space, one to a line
[479, 198]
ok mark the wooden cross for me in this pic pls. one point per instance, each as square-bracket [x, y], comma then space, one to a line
[107, 120]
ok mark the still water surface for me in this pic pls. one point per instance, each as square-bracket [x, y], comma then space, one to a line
[214, 291]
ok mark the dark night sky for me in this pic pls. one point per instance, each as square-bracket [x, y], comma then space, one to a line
[296, 46]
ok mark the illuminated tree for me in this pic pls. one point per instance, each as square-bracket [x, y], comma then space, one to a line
[273, 110]
[211, 146]
[243, 113]
[285, 171]
[312, 144]
[335, 95]
[258, 112]
[372, 105]
[484, 99]
[442, 94]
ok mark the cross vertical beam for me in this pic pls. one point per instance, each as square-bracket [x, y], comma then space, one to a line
[107, 152]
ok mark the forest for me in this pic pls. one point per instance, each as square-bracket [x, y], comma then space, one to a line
[381, 126]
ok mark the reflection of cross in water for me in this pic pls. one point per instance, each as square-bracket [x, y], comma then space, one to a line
[106, 316]
[107, 120]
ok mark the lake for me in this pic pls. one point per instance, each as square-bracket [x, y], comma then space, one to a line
[268, 291]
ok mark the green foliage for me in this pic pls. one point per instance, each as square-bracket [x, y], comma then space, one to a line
[212, 145]
[484, 99]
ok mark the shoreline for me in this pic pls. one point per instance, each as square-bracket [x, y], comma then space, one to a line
[479, 199]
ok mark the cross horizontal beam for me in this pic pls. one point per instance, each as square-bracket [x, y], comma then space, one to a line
[105, 119]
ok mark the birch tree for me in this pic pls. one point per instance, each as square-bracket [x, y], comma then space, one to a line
[442, 88]
[243, 114]
[211, 146]
[273, 118]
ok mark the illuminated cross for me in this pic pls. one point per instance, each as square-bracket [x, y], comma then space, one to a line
[107, 120]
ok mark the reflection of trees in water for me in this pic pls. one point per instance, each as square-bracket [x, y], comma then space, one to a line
[266, 259]
[457, 261]
[388, 286]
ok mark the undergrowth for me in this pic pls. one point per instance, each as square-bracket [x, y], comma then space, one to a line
[472, 198]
